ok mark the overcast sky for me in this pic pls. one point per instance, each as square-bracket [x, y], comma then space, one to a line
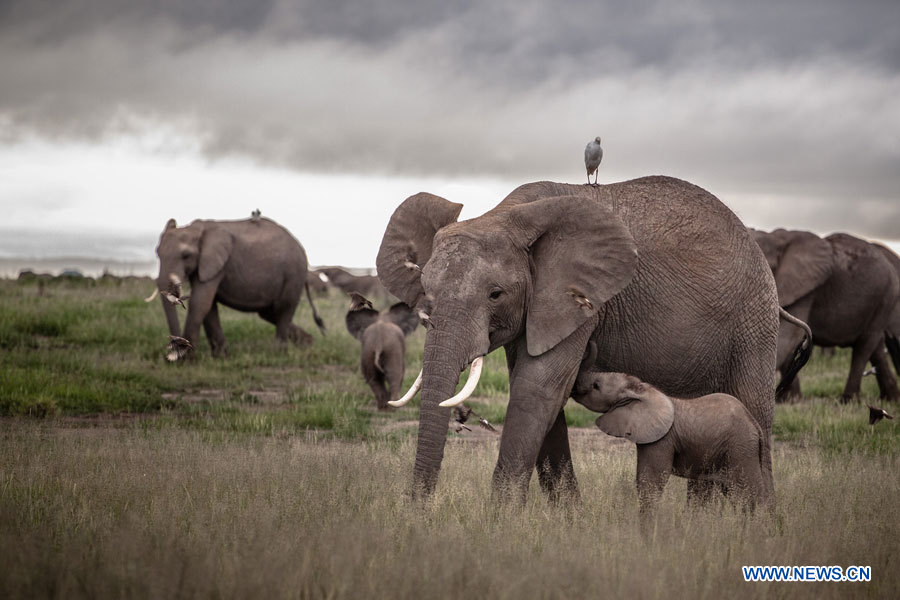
[115, 116]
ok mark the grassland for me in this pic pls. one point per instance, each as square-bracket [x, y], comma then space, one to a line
[268, 474]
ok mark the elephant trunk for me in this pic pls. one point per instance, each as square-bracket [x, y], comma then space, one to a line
[442, 363]
[169, 309]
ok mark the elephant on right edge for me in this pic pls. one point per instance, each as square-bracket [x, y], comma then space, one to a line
[845, 289]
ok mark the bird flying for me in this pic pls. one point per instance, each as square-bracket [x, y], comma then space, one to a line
[173, 291]
[877, 414]
[178, 348]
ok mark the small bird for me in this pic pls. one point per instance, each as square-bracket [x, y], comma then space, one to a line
[178, 348]
[580, 298]
[359, 302]
[872, 371]
[593, 154]
[173, 292]
[877, 414]
[463, 413]
[254, 216]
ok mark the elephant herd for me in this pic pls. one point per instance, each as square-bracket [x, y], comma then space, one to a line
[654, 279]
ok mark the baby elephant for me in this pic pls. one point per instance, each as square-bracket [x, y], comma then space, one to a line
[713, 441]
[383, 345]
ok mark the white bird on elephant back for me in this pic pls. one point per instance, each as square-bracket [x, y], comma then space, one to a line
[593, 154]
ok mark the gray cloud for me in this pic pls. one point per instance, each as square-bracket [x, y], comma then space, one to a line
[795, 100]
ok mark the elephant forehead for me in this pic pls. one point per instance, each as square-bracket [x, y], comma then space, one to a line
[462, 257]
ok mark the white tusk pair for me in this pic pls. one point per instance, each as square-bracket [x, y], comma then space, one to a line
[471, 382]
[152, 296]
[462, 396]
[409, 395]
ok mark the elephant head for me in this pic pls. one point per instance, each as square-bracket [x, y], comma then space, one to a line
[801, 261]
[526, 274]
[632, 409]
[197, 251]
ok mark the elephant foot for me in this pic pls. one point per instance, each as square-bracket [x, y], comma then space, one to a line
[299, 337]
[849, 398]
[386, 408]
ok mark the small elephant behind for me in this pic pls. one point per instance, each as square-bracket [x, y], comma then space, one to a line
[713, 440]
[382, 336]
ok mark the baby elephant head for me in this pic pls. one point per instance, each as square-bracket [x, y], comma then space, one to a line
[361, 315]
[632, 409]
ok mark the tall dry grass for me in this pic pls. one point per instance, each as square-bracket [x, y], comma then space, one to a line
[174, 513]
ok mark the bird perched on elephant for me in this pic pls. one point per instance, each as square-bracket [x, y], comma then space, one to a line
[593, 154]
[713, 440]
[845, 288]
[383, 340]
[662, 275]
[252, 266]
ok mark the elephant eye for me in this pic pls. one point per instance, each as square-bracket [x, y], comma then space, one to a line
[596, 385]
[186, 254]
[496, 294]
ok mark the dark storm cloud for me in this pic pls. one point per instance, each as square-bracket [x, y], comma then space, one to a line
[788, 99]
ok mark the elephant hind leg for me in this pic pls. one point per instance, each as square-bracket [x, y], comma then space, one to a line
[863, 349]
[285, 330]
[887, 383]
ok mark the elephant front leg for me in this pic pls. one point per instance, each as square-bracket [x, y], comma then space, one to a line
[213, 328]
[554, 463]
[203, 297]
[535, 426]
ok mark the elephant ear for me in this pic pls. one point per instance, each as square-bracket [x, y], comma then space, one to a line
[582, 255]
[215, 250]
[401, 315]
[406, 245]
[359, 320]
[644, 419]
[806, 263]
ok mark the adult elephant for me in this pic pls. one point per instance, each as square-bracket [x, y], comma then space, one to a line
[892, 331]
[845, 289]
[253, 265]
[656, 271]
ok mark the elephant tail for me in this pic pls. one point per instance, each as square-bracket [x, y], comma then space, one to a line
[893, 348]
[801, 353]
[319, 322]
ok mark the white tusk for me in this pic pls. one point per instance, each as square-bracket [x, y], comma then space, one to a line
[409, 395]
[152, 296]
[471, 382]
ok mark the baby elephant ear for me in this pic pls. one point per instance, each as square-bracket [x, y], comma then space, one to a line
[360, 319]
[644, 420]
[403, 317]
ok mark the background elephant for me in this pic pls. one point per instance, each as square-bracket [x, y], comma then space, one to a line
[249, 265]
[383, 339]
[713, 440]
[367, 285]
[316, 284]
[892, 332]
[844, 288]
[658, 272]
